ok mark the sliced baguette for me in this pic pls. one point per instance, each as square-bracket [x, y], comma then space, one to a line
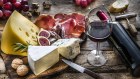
[119, 6]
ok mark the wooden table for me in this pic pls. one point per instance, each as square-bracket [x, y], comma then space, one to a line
[114, 68]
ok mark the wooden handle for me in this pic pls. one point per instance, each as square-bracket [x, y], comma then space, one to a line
[133, 29]
[93, 74]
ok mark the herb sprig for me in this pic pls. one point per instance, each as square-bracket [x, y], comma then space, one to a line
[21, 47]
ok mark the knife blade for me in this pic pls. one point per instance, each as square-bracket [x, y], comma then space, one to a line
[82, 69]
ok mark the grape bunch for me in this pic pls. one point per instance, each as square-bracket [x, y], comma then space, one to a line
[83, 3]
[8, 6]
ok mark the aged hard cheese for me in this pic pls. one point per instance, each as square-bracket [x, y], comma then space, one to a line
[18, 29]
[41, 58]
[68, 48]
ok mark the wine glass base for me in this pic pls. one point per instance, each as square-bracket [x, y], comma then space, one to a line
[96, 60]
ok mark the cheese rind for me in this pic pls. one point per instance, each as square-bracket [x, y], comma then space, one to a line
[41, 58]
[18, 29]
[68, 48]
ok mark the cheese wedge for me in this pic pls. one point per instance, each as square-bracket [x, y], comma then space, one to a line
[68, 48]
[119, 6]
[41, 58]
[18, 29]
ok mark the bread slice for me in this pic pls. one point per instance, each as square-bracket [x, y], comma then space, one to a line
[119, 6]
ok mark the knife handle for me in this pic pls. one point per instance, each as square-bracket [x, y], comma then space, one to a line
[93, 74]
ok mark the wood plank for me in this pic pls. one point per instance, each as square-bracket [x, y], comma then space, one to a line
[62, 2]
[85, 76]
[113, 64]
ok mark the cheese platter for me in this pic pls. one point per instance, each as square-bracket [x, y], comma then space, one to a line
[41, 45]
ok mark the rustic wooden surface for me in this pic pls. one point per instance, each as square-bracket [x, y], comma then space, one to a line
[114, 68]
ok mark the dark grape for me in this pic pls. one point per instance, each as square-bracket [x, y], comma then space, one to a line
[13, 1]
[5, 1]
[7, 6]
[25, 8]
[84, 3]
[7, 13]
[77, 2]
[24, 2]
[17, 5]
[1, 8]
[1, 14]
[1, 3]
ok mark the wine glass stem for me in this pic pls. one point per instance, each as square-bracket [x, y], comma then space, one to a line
[97, 48]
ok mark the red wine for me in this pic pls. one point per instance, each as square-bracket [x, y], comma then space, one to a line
[98, 31]
[128, 49]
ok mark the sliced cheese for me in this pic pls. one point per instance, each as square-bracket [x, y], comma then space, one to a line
[68, 48]
[41, 58]
[18, 29]
[119, 6]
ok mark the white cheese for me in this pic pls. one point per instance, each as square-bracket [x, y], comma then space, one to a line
[68, 48]
[41, 58]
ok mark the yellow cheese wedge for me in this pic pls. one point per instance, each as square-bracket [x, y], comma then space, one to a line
[18, 29]
[119, 6]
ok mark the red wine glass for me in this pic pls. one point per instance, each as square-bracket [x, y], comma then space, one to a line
[98, 31]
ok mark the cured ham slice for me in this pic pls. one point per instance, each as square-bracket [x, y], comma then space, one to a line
[79, 29]
[45, 21]
[67, 26]
[61, 17]
[79, 18]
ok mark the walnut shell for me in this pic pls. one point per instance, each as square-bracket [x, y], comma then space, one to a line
[16, 62]
[22, 70]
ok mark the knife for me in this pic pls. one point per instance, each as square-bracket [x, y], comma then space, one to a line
[82, 69]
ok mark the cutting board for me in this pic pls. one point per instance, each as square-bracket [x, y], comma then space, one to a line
[13, 75]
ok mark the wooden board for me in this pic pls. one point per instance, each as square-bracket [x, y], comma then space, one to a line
[12, 73]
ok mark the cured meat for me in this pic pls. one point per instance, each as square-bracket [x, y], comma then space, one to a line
[80, 19]
[79, 29]
[67, 26]
[74, 26]
[59, 16]
[45, 21]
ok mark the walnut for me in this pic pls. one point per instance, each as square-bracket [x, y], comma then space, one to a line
[16, 62]
[22, 70]
[47, 4]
